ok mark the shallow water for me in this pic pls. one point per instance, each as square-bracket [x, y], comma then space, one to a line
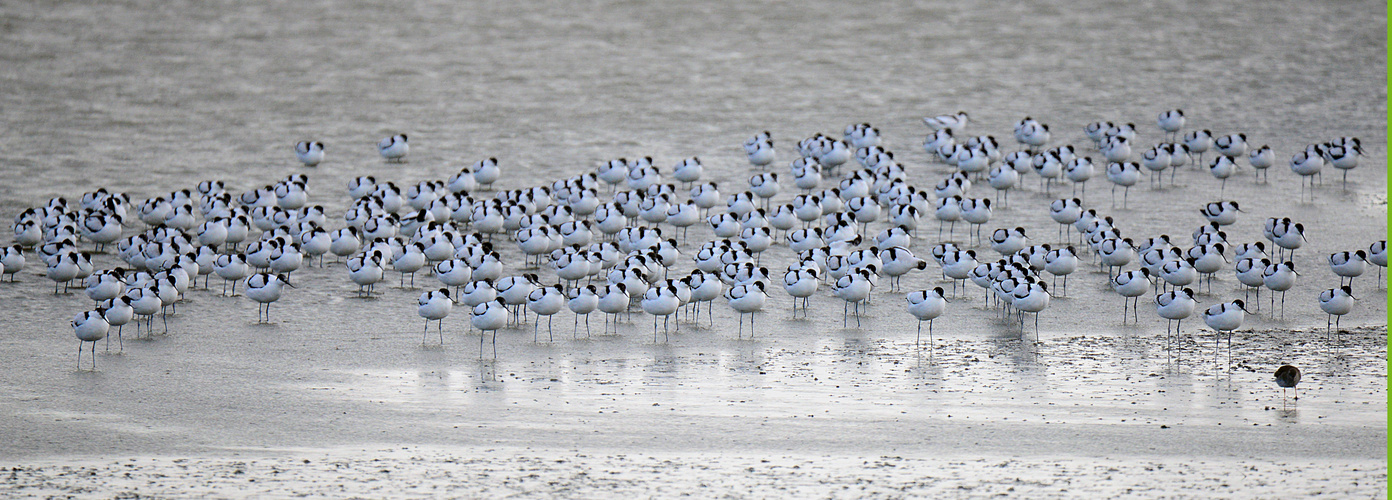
[147, 100]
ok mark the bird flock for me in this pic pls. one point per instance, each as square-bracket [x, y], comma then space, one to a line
[615, 237]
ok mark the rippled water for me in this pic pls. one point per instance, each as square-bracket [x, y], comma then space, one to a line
[149, 97]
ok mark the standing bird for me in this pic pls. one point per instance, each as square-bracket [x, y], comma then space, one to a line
[486, 172]
[1279, 277]
[1261, 159]
[309, 153]
[854, 288]
[926, 305]
[1222, 168]
[12, 260]
[1224, 318]
[434, 306]
[490, 316]
[546, 301]
[1377, 254]
[800, 283]
[1198, 141]
[582, 302]
[264, 288]
[613, 301]
[118, 313]
[747, 299]
[394, 148]
[661, 301]
[1171, 122]
[1343, 155]
[1336, 302]
[1288, 376]
[1125, 174]
[89, 326]
[1348, 265]
[1175, 306]
[1061, 262]
[1030, 298]
[1307, 164]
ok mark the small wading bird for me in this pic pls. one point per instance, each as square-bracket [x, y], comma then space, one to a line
[434, 306]
[1287, 377]
[926, 305]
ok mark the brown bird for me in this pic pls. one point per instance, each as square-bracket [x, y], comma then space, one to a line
[1288, 376]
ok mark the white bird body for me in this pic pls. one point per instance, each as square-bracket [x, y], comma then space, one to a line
[1225, 317]
[394, 148]
[1178, 304]
[310, 153]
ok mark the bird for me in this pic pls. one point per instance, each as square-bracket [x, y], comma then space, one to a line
[1336, 302]
[1249, 272]
[1030, 297]
[1222, 213]
[487, 171]
[545, 301]
[1061, 262]
[265, 288]
[454, 273]
[951, 123]
[1261, 159]
[1288, 236]
[118, 313]
[13, 260]
[1231, 146]
[489, 317]
[688, 171]
[1198, 141]
[89, 326]
[1343, 155]
[412, 259]
[1008, 241]
[760, 150]
[1131, 285]
[1065, 211]
[1174, 306]
[1348, 265]
[394, 148]
[746, 299]
[895, 262]
[105, 285]
[144, 304]
[1279, 277]
[1124, 174]
[582, 301]
[800, 283]
[1222, 168]
[1079, 170]
[926, 305]
[1288, 376]
[434, 306]
[661, 301]
[1170, 122]
[854, 288]
[1224, 318]
[613, 301]
[365, 269]
[1307, 164]
[1377, 255]
[1002, 178]
[310, 153]
[63, 269]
